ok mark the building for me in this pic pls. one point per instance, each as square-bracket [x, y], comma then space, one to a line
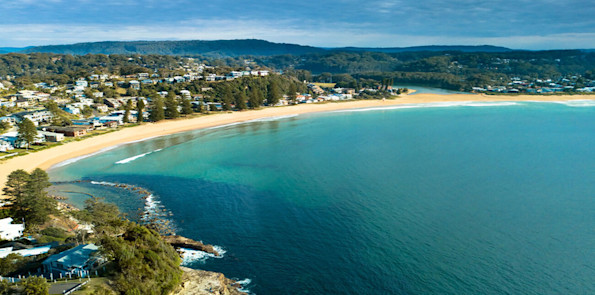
[24, 252]
[73, 261]
[135, 84]
[10, 231]
[68, 130]
[52, 136]
[35, 116]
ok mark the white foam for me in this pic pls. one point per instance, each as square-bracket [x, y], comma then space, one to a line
[128, 160]
[73, 160]
[244, 283]
[190, 256]
[579, 103]
[268, 119]
[434, 105]
[103, 183]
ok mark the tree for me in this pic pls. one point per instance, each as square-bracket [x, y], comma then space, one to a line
[241, 100]
[4, 126]
[274, 93]
[199, 107]
[227, 99]
[144, 262]
[127, 109]
[255, 99]
[171, 106]
[27, 132]
[140, 106]
[291, 93]
[16, 183]
[186, 106]
[157, 112]
[29, 198]
[35, 286]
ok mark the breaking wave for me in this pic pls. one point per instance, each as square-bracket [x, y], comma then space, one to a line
[128, 160]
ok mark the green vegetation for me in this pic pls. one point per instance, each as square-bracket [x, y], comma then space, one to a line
[29, 198]
[27, 132]
[140, 107]
[141, 262]
[157, 111]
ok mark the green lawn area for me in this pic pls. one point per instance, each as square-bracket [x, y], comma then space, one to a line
[325, 85]
[89, 287]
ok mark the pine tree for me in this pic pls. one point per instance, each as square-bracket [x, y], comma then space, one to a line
[241, 100]
[127, 109]
[157, 112]
[16, 184]
[274, 93]
[186, 106]
[291, 93]
[255, 99]
[27, 132]
[227, 99]
[171, 106]
[140, 106]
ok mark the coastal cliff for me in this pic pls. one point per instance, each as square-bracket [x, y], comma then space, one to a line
[199, 282]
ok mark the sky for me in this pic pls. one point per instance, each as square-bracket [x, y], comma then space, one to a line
[518, 24]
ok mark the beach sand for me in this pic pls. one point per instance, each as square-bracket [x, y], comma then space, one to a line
[46, 158]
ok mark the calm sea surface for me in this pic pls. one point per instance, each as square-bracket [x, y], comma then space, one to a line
[477, 198]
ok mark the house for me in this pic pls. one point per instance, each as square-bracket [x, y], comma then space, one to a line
[81, 83]
[72, 109]
[134, 84]
[73, 261]
[68, 130]
[35, 116]
[24, 252]
[10, 231]
[5, 146]
[22, 103]
[112, 102]
[143, 75]
[101, 108]
[51, 136]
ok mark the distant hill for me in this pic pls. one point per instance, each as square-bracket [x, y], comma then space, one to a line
[219, 48]
[11, 49]
[461, 48]
[225, 48]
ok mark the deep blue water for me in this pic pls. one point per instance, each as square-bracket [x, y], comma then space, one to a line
[470, 199]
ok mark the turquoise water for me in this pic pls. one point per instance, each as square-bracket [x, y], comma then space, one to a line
[432, 90]
[477, 198]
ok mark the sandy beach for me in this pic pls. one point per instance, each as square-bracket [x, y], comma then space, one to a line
[46, 158]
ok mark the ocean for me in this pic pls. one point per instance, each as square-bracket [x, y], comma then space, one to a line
[446, 198]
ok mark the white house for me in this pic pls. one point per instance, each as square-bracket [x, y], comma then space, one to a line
[9, 231]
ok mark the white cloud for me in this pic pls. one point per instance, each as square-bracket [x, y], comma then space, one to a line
[45, 34]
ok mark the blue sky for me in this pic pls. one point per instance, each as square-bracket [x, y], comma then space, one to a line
[522, 24]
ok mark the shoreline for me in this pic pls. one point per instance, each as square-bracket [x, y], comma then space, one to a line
[49, 157]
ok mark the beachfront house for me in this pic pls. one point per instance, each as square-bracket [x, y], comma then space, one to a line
[73, 261]
[10, 231]
[67, 130]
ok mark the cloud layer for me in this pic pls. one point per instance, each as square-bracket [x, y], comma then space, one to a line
[541, 24]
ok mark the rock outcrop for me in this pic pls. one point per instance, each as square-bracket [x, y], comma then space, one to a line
[201, 282]
[182, 242]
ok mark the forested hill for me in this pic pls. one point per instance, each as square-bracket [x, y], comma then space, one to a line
[461, 48]
[219, 48]
[231, 48]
